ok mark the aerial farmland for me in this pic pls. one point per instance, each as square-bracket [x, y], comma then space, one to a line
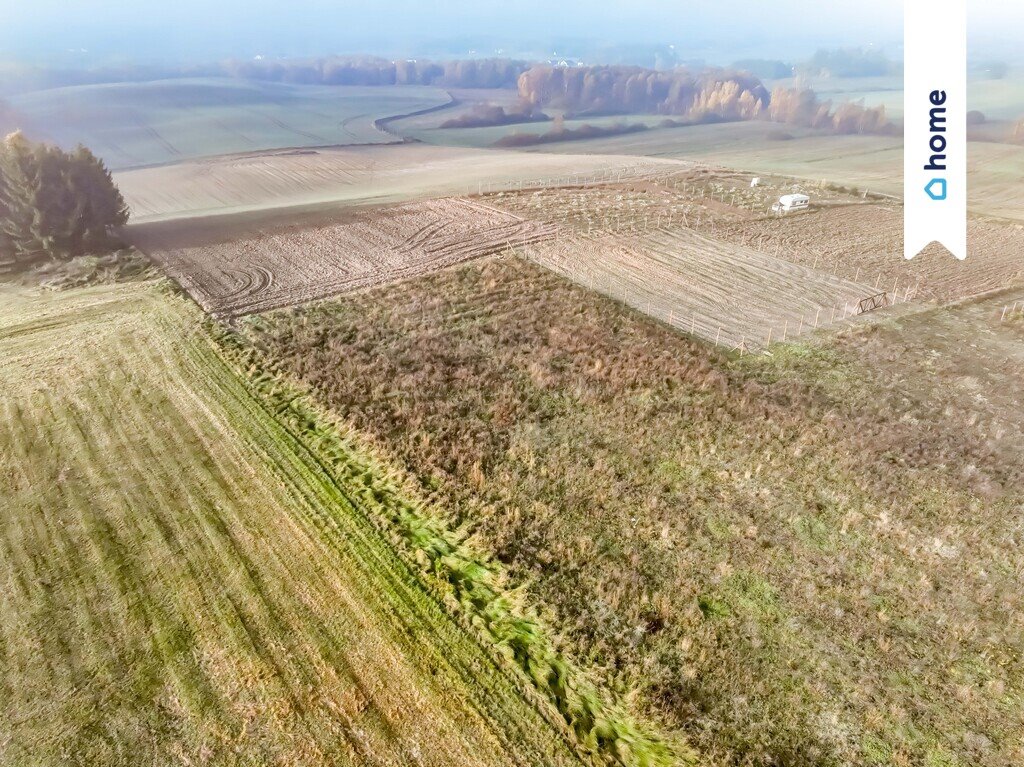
[492, 410]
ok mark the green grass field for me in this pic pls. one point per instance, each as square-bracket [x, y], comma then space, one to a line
[133, 124]
[181, 582]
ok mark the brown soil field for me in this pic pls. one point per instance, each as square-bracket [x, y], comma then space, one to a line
[843, 235]
[868, 162]
[325, 177]
[867, 241]
[729, 294]
[231, 271]
[810, 559]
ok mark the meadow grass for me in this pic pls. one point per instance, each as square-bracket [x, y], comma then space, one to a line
[184, 581]
[803, 559]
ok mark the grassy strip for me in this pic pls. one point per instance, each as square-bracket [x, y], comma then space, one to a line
[466, 578]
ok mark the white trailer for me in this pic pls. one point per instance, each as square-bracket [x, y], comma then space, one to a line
[790, 202]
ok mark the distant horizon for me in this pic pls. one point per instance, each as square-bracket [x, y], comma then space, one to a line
[646, 32]
[191, 31]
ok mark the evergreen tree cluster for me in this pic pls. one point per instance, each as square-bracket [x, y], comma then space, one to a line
[55, 204]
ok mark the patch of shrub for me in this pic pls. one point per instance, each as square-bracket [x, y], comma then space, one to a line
[585, 131]
[119, 266]
[489, 115]
[55, 204]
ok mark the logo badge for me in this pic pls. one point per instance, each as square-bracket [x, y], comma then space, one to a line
[936, 189]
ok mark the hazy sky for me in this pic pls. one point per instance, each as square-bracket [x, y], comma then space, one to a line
[210, 29]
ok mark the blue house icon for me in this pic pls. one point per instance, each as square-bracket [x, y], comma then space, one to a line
[936, 189]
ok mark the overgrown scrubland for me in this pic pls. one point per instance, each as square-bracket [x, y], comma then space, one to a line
[808, 559]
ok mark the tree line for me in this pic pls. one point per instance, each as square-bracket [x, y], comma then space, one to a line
[583, 91]
[711, 95]
[801, 106]
[328, 70]
[849, 62]
[55, 204]
[350, 70]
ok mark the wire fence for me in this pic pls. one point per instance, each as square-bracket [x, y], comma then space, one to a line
[726, 335]
[1011, 312]
[738, 335]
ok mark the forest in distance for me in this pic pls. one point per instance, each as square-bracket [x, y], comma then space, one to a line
[693, 93]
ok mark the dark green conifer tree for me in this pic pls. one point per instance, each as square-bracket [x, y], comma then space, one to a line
[55, 204]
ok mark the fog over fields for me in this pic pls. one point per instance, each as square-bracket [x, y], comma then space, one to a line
[472, 383]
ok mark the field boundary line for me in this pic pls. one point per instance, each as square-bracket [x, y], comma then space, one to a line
[458, 576]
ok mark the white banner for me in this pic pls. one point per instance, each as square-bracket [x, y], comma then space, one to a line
[935, 126]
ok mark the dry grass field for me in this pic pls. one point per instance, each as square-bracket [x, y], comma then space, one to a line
[868, 240]
[729, 294]
[844, 236]
[806, 559]
[181, 582]
[272, 266]
[147, 123]
[874, 163]
[330, 177]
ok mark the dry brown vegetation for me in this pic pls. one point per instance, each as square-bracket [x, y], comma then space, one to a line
[811, 559]
[800, 106]
[847, 234]
[484, 115]
[727, 293]
[697, 95]
[270, 267]
[561, 133]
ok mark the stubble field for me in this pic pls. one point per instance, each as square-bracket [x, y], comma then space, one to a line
[845, 236]
[728, 294]
[869, 240]
[182, 583]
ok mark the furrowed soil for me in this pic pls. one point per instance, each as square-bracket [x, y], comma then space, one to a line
[806, 559]
[182, 582]
[844, 238]
[232, 270]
